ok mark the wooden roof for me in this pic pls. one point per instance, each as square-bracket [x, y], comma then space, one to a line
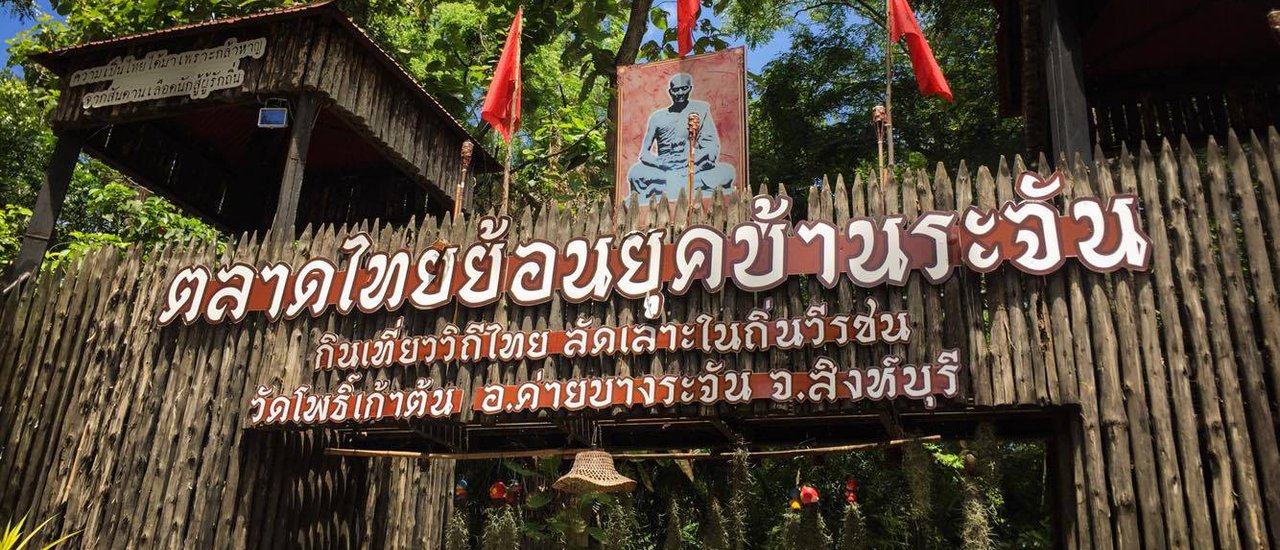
[1151, 70]
[380, 137]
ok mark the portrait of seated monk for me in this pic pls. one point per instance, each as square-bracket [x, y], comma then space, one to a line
[663, 167]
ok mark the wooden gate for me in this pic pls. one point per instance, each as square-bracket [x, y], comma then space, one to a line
[133, 433]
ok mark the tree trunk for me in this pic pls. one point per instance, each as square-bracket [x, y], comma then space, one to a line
[637, 24]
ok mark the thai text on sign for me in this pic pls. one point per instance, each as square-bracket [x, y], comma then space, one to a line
[487, 341]
[824, 382]
[756, 255]
[160, 74]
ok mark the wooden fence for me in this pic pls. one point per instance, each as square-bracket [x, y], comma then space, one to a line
[132, 433]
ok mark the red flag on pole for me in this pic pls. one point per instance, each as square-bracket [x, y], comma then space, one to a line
[686, 18]
[902, 22]
[502, 104]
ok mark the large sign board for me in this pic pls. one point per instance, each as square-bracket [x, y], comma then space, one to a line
[664, 107]
[160, 74]
[1030, 235]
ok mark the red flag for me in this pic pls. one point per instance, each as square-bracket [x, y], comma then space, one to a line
[902, 22]
[686, 17]
[502, 104]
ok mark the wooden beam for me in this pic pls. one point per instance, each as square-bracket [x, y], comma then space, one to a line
[690, 455]
[57, 177]
[304, 112]
[1064, 75]
[118, 148]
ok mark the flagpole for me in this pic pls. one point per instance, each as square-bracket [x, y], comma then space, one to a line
[506, 165]
[506, 181]
[888, 86]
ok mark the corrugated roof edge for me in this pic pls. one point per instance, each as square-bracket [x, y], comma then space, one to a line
[52, 59]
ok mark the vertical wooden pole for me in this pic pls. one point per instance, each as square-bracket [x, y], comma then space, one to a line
[1064, 72]
[888, 86]
[48, 205]
[695, 125]
[305, 111]
[506, 181]
[467, 148]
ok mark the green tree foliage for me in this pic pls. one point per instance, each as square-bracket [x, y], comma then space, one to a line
[102, 208]
[853, 528]
[501, 529]
[457, 534]
[811, 112]
[25, 139]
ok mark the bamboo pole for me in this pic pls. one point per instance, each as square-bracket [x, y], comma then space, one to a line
[690, 455]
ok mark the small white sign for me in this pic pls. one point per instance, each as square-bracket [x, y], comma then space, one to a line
[160, 74]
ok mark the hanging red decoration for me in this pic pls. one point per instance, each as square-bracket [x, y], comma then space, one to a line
[514, 491]
[851, 490]
[808, 495]
[498, 491]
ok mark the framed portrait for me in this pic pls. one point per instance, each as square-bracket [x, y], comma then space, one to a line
[665, 106]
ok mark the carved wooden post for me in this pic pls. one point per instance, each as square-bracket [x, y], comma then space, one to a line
[467, 148]
[1064, 74]
[48, 204]
[305, 110]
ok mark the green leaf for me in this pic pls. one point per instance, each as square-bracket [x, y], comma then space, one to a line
[538, 500]
[517, 468]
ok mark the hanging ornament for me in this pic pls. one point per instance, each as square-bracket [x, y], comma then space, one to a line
[795, 504]
[498, 491]
[808, 495]
[514, 491]
[460, 490]
[793, 500]
[593, 472]
[851, 490]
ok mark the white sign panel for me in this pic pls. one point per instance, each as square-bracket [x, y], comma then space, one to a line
[160, 74]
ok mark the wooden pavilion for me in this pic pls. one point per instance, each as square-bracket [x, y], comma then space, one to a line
[1125, 72]
[177, 110]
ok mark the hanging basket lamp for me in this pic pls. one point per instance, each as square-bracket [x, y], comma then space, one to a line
[593, 472]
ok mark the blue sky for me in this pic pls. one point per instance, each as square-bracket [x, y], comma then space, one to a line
[757, 58]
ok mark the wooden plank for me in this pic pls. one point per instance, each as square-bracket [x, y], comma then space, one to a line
[286, 215]
[1258, 256]
[932, 306]
[1133, 378]
[953, 321]
[1112, 411]
[1197, 359]
[1262, 429]
[1064, 69]
[1253, 530]
[1002, 347]
[1028, 354]
[981, 360]
[1089, 439]
[1268, 173]
[1153, 367]
[1054, 323]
